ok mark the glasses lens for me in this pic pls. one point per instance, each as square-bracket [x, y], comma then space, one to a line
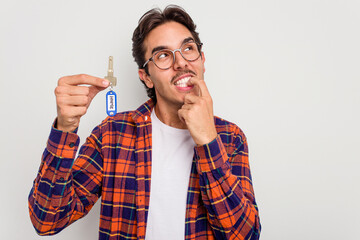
[163, 59]
[190, 51]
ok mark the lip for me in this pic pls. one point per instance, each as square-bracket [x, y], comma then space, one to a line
[184, 89]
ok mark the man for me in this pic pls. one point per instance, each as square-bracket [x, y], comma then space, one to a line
[168, 170]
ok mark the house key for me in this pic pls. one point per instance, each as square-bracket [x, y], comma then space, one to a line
[111, 101]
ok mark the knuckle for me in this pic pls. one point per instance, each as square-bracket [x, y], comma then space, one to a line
[86, 91]
[57, 91]
[83, 76]
[59, 101]
[84, 100]
[61, 81]
[83, 110]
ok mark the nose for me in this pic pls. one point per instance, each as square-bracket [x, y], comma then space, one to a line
[179, 61]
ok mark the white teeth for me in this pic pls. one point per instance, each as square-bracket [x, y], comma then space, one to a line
[182, 82]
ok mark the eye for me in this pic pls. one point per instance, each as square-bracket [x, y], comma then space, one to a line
[162, 55]
[188, 48]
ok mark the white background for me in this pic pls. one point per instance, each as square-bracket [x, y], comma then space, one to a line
[287, 72]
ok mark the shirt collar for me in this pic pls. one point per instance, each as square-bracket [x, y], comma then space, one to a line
[144, 111]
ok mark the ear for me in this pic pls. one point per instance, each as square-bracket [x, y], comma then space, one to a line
[203, 59]
[145, 78]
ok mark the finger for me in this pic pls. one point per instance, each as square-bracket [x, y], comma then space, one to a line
[93, 90]
[187, 106]
[71, 90]
[200, 83]
[72, 112]
[73, 100]
[182, 113]
[83, 79]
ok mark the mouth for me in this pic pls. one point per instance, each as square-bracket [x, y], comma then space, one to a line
[183, 83]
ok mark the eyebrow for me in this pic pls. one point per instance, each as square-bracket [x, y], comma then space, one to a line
[158, 48]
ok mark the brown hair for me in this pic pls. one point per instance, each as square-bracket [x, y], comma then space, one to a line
[150, 20]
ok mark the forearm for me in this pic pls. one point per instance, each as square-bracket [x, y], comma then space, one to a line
[57, 198]
[50, 200]
[227, 191]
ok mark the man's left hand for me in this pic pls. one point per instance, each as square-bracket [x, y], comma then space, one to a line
[197, 113]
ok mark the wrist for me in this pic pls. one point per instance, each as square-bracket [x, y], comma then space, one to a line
[61, 127]
[206, 139]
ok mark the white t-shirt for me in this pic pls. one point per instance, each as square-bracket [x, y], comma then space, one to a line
[172, 154]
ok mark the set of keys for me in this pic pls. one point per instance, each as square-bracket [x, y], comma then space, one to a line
[111, 101]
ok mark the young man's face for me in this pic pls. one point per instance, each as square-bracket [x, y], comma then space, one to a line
[168, 87]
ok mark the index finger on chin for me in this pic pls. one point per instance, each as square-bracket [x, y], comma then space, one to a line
[201, 85]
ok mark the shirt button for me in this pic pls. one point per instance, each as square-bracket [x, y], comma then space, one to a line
[146, 117]
[71, 145]
[62, 179]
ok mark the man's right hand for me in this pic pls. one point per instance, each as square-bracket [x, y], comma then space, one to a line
[73, 99]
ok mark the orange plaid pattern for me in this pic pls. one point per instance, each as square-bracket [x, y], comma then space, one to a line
[115, 164]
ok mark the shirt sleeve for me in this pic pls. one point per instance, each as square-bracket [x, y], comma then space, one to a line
[65, 189]
[226, 187]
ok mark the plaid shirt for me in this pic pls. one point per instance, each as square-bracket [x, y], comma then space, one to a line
[115, 163]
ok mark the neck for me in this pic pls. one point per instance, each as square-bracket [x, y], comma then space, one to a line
[169, 116]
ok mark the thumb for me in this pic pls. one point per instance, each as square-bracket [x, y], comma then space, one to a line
[93, 90]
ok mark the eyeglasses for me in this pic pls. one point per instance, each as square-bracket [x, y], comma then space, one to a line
[164, 59]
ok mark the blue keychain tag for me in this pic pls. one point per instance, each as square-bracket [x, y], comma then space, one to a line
[111, 104]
